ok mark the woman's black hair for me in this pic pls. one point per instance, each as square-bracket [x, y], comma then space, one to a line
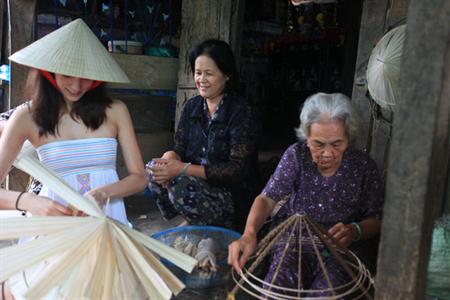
[48, 103]
[220, 52]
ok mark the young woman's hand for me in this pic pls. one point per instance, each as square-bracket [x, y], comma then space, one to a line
[42, 206]
[100, 197]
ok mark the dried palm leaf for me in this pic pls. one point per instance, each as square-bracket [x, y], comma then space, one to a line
[91, 257]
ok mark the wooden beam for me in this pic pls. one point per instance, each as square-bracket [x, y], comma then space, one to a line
[203, 19]
[22, 19]
[446, 209]
[373, 21]
[147, 72]
[351, 22]
[2, 34]
[419, 154]
[150, 114]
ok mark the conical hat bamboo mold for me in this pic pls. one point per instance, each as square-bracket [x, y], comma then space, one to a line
[302, 232]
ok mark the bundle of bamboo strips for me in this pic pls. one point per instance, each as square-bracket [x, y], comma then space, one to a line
[91, 257]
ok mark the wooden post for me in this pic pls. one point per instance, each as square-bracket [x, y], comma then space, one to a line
[419, 153]
[371, 30]
[446, 209]
[2, 33]
[22, 19]
[203, 19]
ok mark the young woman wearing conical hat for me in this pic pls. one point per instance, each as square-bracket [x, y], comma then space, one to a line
[74, 126]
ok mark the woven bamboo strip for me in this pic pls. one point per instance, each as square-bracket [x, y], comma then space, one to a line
[95, 284]
[19, 257]
[28, 163]
[14, 228]
[179, 259]
[55, 272]
[174, 284]
[127, 278]
[149, 278]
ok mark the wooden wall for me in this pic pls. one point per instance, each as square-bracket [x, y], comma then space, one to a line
[419, 156]
[152, 114]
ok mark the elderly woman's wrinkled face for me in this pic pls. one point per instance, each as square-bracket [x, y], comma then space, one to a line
[209, 79]
[327, 142]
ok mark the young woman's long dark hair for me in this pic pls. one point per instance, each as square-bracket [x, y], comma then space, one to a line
[48, 102]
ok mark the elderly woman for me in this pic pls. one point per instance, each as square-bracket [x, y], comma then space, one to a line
[323, 177]
[209, 177]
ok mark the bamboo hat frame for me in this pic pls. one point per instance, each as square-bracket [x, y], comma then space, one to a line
[291, 233]
[72, 50]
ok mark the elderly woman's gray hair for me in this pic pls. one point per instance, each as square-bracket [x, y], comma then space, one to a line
[332, 106]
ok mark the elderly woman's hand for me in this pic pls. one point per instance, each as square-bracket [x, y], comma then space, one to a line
[344, 234]
[240, 250]
[164, 170]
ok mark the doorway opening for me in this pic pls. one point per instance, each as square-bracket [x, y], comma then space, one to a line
[290, 52]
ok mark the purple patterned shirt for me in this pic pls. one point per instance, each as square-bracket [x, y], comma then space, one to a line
[353, 193]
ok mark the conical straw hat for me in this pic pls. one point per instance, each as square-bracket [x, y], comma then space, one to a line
[72, 50]
[383, 69]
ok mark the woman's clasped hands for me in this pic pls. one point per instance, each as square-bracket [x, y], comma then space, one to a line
[163, 170]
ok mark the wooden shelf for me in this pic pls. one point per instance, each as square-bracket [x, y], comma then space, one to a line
[147, 72]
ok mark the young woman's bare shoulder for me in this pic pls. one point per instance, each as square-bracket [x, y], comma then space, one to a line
[21, 121]
[23, 112]
[118, 107]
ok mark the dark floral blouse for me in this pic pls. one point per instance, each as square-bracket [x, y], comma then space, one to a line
[225, 144]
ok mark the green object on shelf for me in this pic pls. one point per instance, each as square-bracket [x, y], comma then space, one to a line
[160, 51]
[438, 280]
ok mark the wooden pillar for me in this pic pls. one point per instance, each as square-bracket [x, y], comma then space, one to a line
[446, 209]
[2, 31]
[371, 30]
[22, 19]
[203, 19]
[419, 153]
[351, 23]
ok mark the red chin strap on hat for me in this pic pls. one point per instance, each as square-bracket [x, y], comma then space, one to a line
[49, 76]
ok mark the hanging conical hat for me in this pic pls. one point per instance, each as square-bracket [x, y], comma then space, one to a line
[383, 69]
[72, 50]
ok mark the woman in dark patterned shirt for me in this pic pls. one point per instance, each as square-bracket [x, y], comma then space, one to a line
[210, 177]
[334, 184]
